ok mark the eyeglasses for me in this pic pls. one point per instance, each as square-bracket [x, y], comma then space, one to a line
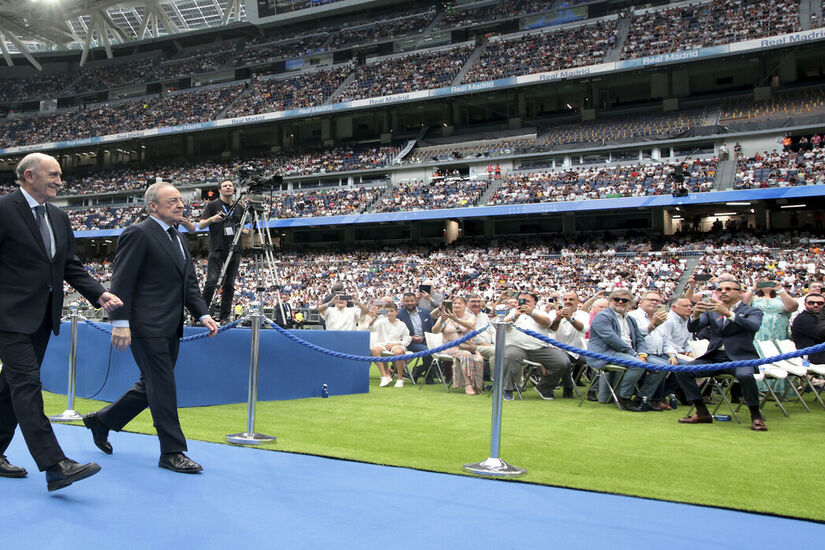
[621, 300]
[728, 288]
[816, 303]
[552, 299]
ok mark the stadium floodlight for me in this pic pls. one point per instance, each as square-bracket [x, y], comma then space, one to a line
[794, 206]
[726, 214]
[737, 204]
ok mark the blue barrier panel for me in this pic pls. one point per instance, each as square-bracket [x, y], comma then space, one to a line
[215, 371]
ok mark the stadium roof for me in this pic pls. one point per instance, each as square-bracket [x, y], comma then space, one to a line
[31, 26]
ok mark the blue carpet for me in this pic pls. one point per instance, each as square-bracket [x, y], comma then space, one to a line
[261, 499]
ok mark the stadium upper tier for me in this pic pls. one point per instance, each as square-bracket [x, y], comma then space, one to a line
[803, 164]
[277, 86]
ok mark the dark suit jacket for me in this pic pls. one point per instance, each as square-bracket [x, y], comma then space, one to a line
[805, 333]
[736, 336]
[426, 321]
[27, 272]
[153, 282]
[606, 337]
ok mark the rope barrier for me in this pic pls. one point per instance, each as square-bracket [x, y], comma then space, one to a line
[674, 368]
[369, 358]
[555, 343]
[108, 330]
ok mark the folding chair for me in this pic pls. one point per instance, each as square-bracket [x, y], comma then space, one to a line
[787, 346]
[771, 371]
[391, 365]
[529, 369]
[434, 341]
[603, 372]
[768, 349]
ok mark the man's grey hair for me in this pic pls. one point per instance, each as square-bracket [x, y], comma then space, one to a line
[472, 295]
[620, 292]
[32, 162]
[151, 194]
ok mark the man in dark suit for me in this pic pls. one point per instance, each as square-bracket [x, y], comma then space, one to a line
[154, 275]
[418, 322]
[37, 254]
[805, 330]
[730, 327]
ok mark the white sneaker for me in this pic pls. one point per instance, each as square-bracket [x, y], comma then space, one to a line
[385, 381]
[399, 383]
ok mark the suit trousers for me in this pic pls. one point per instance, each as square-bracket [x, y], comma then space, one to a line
[426, 361]
[687, 380]
[214, 265]
[554, 361]
[156, 358]
[21, 400]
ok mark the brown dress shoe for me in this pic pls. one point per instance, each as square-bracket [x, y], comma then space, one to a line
[662, 405]
[758, 425]
[696, 419]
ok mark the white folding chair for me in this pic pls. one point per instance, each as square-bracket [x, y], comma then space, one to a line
[434, 341]
[603, 372]
[770, 372]
[787, 346]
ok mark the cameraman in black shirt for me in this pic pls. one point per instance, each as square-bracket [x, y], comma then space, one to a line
[223, 222]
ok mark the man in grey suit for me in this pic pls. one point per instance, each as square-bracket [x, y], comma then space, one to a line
[730, 327]
[154, 275]
[614, 333]
[37, 253]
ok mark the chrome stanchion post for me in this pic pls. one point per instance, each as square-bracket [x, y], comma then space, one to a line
[70, 414]
[494, 466]
[249, 437]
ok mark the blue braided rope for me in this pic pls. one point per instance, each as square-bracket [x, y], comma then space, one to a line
[325, 351]
[368, 358]
[674, 368]
[108, 330]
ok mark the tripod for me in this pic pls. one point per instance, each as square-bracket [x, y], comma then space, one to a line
[266, 274]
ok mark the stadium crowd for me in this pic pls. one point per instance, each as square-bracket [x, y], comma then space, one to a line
[782, 168]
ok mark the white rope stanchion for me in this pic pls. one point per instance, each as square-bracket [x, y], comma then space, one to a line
[494, 466]
[70, 415]
[249, 437]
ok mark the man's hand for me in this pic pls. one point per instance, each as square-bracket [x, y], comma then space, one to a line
[121, 338]
[718, 307]
[659, 317]
[565, 313]
[673, 361]
[417, 338]
[109, 301]
[526, 309]
[211, 324]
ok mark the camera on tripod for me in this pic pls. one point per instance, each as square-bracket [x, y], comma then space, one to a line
[258, 182]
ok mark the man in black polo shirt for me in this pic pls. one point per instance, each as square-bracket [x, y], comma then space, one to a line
[805, 329]
[223, 222]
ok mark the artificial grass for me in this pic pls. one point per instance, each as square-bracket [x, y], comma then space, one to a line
[595, 447]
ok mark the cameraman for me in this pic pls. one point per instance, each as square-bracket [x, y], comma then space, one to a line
[223, 222]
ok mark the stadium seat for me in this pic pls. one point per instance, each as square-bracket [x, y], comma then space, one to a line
[787, 346]
[434, 341]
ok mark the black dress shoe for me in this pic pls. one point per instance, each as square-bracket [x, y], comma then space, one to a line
[100, 433]
[648, 406]
[629, 405]
[10, 470]
[67, 471]
[179, 462]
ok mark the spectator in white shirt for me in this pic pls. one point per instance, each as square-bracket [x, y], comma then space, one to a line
[570, 324]
[344, 314]
[390, 335]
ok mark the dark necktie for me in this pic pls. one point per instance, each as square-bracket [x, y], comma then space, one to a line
[176, 243]
[40, 210]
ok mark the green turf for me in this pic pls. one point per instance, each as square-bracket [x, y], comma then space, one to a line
[594, 447]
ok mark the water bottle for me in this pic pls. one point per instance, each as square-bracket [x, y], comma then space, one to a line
[722, 417]
[324, 392]
[673, 401]
[806, 363]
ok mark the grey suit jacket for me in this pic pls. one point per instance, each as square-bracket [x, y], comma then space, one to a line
[606, 337]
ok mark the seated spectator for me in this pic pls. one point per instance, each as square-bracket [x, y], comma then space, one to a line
[805, 330]
[569, 325]
[613, 332]
[521, 346]
[343, 314]
[418, 322]
[390, 335]
[454, 321]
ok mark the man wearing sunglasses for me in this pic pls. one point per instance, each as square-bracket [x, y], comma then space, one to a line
[805, 330]
[730, 326]
[615, 333]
